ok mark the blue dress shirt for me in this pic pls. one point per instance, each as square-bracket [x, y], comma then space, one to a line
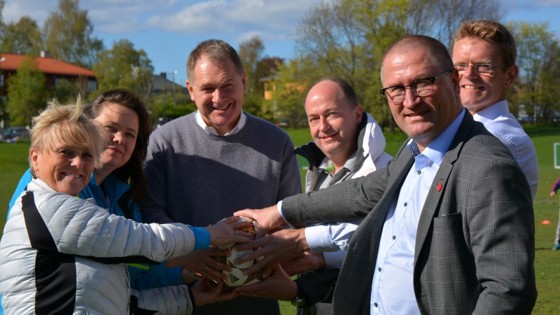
[392, 285]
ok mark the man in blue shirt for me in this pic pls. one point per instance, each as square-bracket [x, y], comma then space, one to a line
[447, 217]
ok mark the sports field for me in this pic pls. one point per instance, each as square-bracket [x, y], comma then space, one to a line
[13, 162]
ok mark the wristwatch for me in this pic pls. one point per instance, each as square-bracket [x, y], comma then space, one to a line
[299, 301]
[301, 298]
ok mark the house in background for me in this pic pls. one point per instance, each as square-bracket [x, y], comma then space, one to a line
[56, 72]
[162, 85]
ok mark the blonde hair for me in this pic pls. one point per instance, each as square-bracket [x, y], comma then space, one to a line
[67, 124]
[493, 33]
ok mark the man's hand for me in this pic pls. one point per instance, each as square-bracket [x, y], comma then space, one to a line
[201, 263]
[273, 249]
[205, 292]
[278, 286]
[269, 218]
[310, 261]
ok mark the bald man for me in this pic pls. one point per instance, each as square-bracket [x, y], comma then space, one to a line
[347, 143]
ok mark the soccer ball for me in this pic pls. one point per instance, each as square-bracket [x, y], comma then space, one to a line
[235, 277]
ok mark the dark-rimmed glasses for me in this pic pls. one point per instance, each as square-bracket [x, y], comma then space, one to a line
[420, 87]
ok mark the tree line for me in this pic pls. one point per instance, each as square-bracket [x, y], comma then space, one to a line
[342, 38]
[347, 39]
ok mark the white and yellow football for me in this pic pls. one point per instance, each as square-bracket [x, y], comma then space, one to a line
[235, 277]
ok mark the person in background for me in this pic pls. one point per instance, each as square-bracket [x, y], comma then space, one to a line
[62, 254]
[347, 143]
[484, 54]
[443, 221]
[553, 191]
[203, 166]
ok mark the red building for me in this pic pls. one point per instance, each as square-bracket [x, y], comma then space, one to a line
[55, 72]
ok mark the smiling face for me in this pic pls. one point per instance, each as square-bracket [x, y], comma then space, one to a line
[333, 121]
[421, 118]
[217, 90]
[121, 127]
[65, 168]
[479, 91]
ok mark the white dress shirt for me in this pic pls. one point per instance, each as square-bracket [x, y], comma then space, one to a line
[240, 124]
[501, 123]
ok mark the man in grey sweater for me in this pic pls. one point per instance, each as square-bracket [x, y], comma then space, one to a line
[203, 166]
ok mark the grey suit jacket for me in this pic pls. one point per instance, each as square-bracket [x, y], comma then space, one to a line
[475, 241]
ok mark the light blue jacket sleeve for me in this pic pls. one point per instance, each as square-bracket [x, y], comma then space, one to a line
[22, 185]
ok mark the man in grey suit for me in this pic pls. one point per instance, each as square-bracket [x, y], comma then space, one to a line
[448, 225]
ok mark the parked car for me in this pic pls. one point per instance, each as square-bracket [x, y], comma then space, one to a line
[13, 134]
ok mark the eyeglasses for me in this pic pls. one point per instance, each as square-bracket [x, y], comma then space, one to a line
[480, 68]
[421, 87]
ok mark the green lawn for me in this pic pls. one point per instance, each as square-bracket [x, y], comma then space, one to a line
[13, 161]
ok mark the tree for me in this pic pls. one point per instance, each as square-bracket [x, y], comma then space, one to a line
[68, 35]
[289, 87]
[124, 67]
[347, 38]
[537, 58]
[440, 18]
[1, 19]
[67, 91]
[250, 52]
[23, 37]
[548, 84]
[26, 93]
[267, 67]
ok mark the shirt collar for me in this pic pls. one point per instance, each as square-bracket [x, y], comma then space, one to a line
[436, 150]
[240, 124]
[492, 112]
[328, 165]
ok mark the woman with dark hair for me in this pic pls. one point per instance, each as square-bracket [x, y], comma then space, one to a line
[110, 109]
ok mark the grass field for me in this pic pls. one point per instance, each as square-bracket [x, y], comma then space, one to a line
[13, 161]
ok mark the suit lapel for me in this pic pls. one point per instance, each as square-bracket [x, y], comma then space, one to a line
[434, 198]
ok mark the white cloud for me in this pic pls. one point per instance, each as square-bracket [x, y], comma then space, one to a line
[36, 9]
[266, 17]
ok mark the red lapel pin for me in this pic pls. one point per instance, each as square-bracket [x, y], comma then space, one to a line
[439, 186]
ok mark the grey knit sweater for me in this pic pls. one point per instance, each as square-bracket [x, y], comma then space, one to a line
[199, 178]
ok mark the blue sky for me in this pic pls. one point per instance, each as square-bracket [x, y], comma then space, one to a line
[169, 29]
